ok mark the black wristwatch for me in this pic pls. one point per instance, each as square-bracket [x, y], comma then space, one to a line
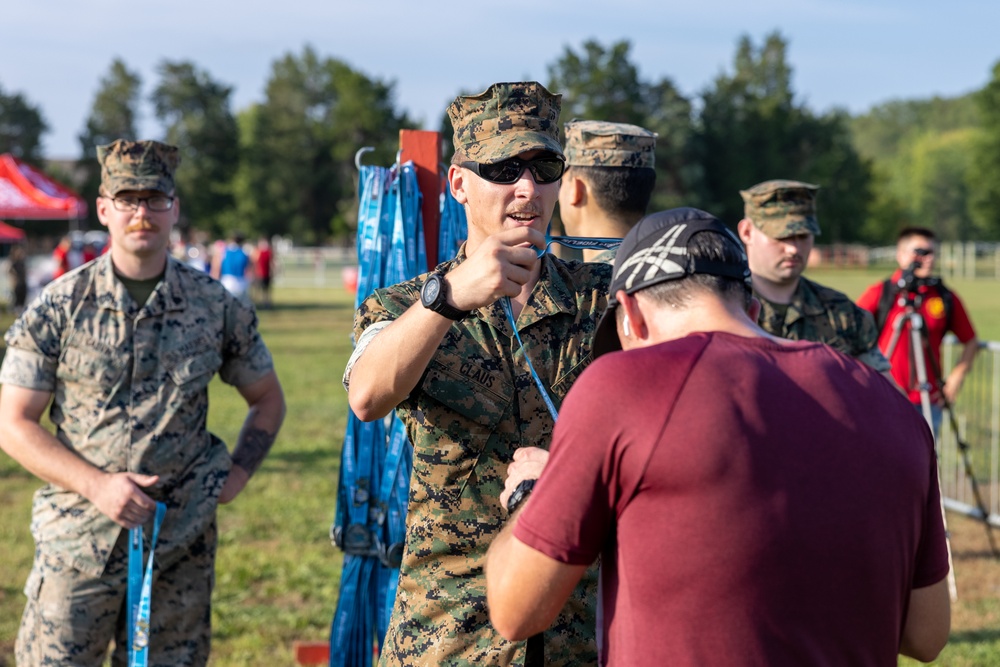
[434, 296]
[521, 492]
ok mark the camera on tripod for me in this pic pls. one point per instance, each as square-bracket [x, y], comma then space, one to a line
[908, 281]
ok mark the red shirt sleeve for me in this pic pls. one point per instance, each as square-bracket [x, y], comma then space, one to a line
[961, 325]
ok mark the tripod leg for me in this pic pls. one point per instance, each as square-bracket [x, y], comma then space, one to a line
[963, 447]
[917, 359]
[918, 339]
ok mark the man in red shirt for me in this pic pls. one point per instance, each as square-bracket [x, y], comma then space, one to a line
[753, 500]
[941, 310]
[263, 269]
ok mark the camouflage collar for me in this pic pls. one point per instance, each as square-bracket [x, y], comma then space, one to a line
[550, 296]
[806, 298]
[112, 295]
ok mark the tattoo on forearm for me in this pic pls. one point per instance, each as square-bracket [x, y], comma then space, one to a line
[253, 446]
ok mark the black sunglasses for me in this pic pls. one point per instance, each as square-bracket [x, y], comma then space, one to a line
[543, 169]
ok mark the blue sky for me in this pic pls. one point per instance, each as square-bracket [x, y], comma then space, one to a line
[850, 54]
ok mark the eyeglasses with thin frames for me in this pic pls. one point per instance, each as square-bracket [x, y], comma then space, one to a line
[158, 203]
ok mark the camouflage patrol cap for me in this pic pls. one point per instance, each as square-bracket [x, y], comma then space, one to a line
[506, 120]
[598, 143]
[137, 165]
[782, 208]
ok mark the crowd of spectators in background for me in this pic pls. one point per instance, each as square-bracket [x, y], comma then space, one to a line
[250, 277]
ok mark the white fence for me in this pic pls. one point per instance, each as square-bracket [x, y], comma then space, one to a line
[313, 267]
[977, 413]
[971, 261]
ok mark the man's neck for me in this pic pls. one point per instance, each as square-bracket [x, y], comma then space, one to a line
[138, 268]
[700, 314]
[781, 293]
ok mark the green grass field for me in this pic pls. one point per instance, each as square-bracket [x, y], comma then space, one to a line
[278, 575]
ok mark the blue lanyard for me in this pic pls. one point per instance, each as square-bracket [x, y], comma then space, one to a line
[140, 589]
[505, 303]
[374, 208]
[580, 243]
[454, 227]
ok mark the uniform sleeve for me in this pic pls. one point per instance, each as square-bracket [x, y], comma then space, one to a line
[383, 305]
[870, 298]
[34, 344]
[374, 314]
[961, 325]
[868, 350]
[572, 509]
[245, 358]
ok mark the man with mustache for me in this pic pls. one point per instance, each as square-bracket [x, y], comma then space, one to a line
[778, 229]
[124, 349]
[441, 350]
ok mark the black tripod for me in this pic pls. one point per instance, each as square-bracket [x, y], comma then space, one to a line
[910, 318]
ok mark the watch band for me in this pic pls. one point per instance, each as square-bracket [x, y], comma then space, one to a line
[440, 304]
[521, 492]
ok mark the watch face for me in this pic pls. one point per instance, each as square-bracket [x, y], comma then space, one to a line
[431, 290]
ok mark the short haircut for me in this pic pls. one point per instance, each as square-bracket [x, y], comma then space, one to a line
[623, 192]
[909, 232]
[707, 246]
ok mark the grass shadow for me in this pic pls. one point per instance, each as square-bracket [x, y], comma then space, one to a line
[298, 459]
[302, 306]
[974, 636]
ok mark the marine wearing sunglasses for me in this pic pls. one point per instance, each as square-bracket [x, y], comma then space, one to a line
[545, 169]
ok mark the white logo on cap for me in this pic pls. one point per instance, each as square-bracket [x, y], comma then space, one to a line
[654, 260]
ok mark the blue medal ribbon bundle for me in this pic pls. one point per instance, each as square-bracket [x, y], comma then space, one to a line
[376, 460]
[140, 591]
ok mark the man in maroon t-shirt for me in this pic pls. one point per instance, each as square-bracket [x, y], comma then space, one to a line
[753, 500]
[941, 311]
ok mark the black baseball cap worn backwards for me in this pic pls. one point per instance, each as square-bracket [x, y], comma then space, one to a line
[656, 250]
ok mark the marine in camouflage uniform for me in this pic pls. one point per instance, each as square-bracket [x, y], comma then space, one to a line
[470, 401]
[778, 229]
[129, 389]
[608, 182]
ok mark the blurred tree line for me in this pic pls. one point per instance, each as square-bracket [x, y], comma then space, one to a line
[285, 165]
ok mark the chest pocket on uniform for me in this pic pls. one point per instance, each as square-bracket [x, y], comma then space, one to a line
[92, 363]
[467, 403]
[566, 380]
[192, 371]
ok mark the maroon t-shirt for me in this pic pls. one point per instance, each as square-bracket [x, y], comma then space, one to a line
[753, 503]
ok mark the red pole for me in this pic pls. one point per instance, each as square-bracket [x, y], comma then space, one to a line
[424, 148]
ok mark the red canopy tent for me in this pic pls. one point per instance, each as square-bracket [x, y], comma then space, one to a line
[10, 233]
[28, 194]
